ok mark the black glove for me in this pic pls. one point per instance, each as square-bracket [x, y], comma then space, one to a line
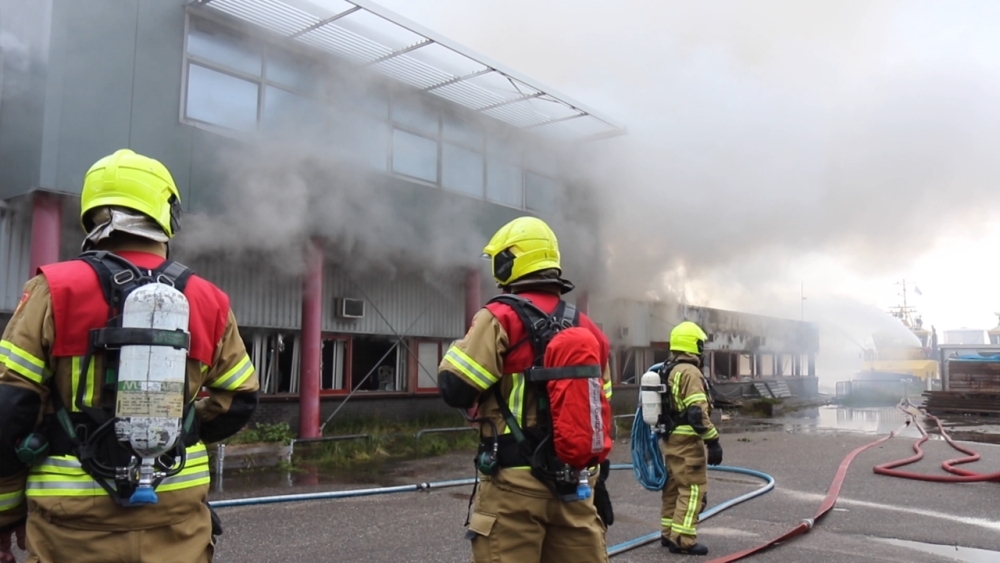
[714, 451]
[602, 500]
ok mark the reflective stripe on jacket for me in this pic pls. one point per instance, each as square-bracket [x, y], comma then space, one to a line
[63, 476]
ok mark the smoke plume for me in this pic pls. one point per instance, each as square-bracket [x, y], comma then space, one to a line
[762, 132]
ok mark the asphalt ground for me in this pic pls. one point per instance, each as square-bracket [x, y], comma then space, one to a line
[874, 518]
[428, 526]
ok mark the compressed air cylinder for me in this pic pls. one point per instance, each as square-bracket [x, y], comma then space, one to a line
[151, 380]
[650, 395]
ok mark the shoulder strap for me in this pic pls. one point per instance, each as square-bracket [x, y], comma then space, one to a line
[539, 326]
[173, 273]
[114, 273]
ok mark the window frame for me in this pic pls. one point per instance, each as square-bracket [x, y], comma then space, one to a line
[444, 111]
[414, 361]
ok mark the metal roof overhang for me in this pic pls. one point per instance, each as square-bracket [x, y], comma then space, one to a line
[372, 36]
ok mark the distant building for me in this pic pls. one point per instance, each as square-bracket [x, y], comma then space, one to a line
[973, 336]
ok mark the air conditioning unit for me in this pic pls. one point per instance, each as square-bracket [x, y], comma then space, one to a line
[350, 308]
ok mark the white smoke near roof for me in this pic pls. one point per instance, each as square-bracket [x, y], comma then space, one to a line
[762, 131]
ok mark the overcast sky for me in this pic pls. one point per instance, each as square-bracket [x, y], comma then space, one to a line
[843, 145]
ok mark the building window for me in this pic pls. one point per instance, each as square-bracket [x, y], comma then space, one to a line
[275, 357]
[221, 99]
[462, 171]
[221, 45]
[428, 360]
[415, 117]
[504, 183]
[242, 83]
[413, 155]
[540, 193]
[332, 363]
[377, 364]
[290, 111]
[236, 81]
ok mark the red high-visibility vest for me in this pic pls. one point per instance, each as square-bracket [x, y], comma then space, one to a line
[78, 306]
[522, 357]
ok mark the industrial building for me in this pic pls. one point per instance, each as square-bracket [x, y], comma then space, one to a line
[746, 354]
[340, 168]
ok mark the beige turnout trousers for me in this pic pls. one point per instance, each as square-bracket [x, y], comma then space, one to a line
[684, 494]
[517, 520]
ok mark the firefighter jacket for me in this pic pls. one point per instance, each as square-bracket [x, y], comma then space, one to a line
[41, 350]
[689, 399]
[495, 351]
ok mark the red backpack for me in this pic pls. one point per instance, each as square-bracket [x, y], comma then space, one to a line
[574, 416]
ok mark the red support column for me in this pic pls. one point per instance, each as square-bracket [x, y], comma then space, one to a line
[312, 313]
[583, 302]
[46, 230]
[473, 295]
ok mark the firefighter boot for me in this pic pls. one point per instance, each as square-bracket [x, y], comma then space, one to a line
[696, 549]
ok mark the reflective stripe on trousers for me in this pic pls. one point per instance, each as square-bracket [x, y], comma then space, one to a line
[64, 476]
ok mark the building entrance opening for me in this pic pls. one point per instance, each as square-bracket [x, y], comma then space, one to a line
[376, 364]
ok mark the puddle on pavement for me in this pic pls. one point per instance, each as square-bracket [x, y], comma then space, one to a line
[881, 421]
[956, 553]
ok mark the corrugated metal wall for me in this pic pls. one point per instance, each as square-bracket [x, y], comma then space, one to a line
[259, 297]
[411, 305]
[15, 249]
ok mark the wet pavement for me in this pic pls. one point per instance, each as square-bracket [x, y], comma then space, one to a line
[877, 518]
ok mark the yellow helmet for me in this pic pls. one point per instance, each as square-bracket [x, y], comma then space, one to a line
[523, 246]
[688, 337]
[134, 181]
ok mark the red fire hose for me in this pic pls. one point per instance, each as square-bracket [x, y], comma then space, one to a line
[958, 475]
[808, 523]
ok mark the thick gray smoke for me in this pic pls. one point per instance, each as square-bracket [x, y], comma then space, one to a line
[762, 131]
[318, 171]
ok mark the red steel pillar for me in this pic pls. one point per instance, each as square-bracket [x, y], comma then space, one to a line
[312, 313]
[46, 230]
[473, 295]
[583, 302]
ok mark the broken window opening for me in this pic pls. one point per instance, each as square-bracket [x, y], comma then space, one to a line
[377, 364]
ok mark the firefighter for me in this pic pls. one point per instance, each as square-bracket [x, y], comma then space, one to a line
[688, 403]
[130, 207]
[516, 518]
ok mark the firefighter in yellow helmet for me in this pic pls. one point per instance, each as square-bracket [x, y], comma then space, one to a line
[516, 518]
[67, 483]
[688, 405]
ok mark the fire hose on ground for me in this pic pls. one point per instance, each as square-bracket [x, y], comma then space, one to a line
[647, 466]
[428, 486]
[648, 470]
[958, 476]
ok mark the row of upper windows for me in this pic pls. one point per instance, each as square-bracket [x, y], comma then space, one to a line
[244, 84]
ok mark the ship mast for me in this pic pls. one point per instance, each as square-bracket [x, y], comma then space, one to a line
[904, 312]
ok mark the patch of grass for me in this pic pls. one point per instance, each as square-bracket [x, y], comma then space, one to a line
[389, 441]
[262, 432]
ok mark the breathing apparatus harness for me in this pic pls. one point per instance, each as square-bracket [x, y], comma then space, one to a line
[534, 446]
[657, 401]
[95, 435]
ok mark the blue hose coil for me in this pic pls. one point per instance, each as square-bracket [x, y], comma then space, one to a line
[647, 460]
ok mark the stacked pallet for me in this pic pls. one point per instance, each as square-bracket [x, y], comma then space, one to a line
[962, 402]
